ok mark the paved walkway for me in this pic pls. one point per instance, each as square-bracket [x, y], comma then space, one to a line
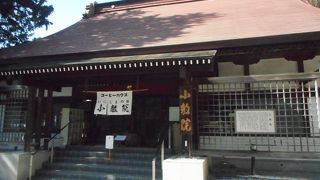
[275, 176]
[263, 175]
[258, 154]
[269, 165]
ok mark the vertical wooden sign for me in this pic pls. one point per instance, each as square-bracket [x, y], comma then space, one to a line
[185, 97]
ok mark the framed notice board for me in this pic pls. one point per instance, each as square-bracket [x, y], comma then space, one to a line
[255, 121]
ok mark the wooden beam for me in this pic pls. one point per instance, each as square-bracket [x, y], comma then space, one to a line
[186, 108]
[133, 90]
[43, 84]
[39, 117]
[30, 119]
[246, 72]
[291, 51]
[49, 117]
[215, 69]
[301, 54]
[259, 78]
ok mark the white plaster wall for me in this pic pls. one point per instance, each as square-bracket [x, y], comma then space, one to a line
[266, 66]
[15, 165]
[23, 166]
[9, 166]
[24, 163]
[65, 92]
[312, 65]
[230, 69]
[273, 66]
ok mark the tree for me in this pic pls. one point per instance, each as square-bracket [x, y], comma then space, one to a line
[315, 3]
[19, 18]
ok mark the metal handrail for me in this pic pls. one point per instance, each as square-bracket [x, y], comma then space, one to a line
[51, 154]
[53, 136]
[59, 131]
[154, 169]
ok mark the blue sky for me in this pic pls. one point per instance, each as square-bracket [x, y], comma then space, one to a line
[66, 13]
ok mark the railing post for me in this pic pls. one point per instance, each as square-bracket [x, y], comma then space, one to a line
[169, 136]
[162, 152]
[30, 166]
[51, 154]
[154, 169]
[253, 165]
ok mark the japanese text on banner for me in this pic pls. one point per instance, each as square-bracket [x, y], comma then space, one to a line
[101, 104]
[114, 103]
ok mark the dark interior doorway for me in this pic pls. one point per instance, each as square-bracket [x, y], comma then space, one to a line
[142, 128]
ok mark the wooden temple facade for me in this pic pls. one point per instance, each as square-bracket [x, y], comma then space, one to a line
[230, 56]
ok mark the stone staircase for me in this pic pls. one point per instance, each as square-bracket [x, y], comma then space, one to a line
[89, 162]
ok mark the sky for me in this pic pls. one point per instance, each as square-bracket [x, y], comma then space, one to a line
[66, 13]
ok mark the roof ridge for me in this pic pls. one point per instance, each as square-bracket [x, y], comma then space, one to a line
[141, 4]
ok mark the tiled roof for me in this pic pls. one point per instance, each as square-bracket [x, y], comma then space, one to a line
[210, 22]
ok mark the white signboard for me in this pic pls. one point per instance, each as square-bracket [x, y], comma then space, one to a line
[109, 142]
[174, 114]
[114, 103]
[255, 121]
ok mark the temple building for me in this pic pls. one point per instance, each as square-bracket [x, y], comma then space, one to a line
[242, 74]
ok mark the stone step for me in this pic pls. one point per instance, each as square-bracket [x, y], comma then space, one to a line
[119, 169]
[117, 149]
[52, 178]
[88, 160]
[102, 154]
[68, 174]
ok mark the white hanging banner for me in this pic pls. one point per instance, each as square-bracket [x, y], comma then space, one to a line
[101, 104]
[114, 103]
[119, 103]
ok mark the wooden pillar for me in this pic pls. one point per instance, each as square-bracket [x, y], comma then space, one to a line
[246, 72]
[300, 65]
[246, 69]
[49, 117]
[30, 119]
[185, 98]
[215, 68]
[39, 117]
[195, 121]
